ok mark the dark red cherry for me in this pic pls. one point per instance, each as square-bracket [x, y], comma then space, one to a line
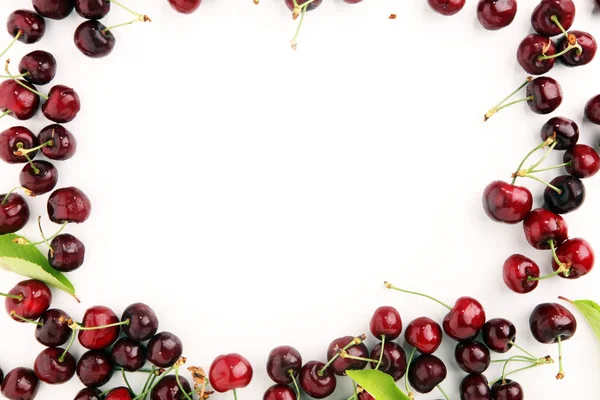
[62, 105]
[97, 339]
[446, 7]
[507, 203]
[574, 57]
[61, 143]
[282, 363]
[54, 330]
[426, 372]
[94, 368]
[164, 349]
[386, 322]
[315, 385]
[67, 254]
[570, 198]
[93, 40]
[341, 365]
[472, 356]
[40, 65]
[120, 393]
[40, 180]
[21, 102]
[541, 226]
[53, 9]
[35, 298]
[496, 14]
[92, 9]
[168, 389]
[475, 387]
[566, 130]
[548, 321]
[185, 6]
[531, 49]
[143, 323]
[393, 361]
[88, 394]
[53, 365]
[365, 396]
[129, 355]
[230, 372]
[31, 25]
[311, 6]
[424, 334]
[12, 140]
[69, 205]
[509, 390]
[20, 384]
[544, 94]
[14, 213]
[578, 255]
[584, 160]
[541, 18]
[465, 320]
[592, 110]
[280, 392]
[499, 334]
[516, 272]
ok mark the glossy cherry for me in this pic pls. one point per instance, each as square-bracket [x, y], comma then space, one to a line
[20, 101]
[393, 361]
[88, 394]
[164, 349]
[96, 339]
[53, 365]
[584, 160]
[496, 14]
[549, 321]
[503, 202]
[14, 139]
[426, 372]
[62, 105]
[592, 110]
[93, 40]
[280, 392]
[578, 256]
[311, 6]
[230, 372]
[541, 226]
[465, 319]
[129, 355]
[475, 387]
[67, 254]
[20, 384]
[365, 396]
[283, 363]
[570, 198]
[40, 65]
[40, 180]
[472, 356]
[340, 365]
[541, 18]
[169, 389]
[446, 7]
[574, 57]
[544, 95]
[92, 9]
[386, 322]
[424, 334]
[34, 297]
[499, 334]
[517, 270]
[53, 9]
[314, 384]
[185, 6]
[55, 330]
[143, 323]
[31, 25]
[530, 53]
[120, 393]
[507, 390]
[60, 143]
[14, 213]
[566, 131]
[69, 205]
[94, 368]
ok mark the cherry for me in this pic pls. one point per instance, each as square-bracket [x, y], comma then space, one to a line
[60, 143]
[424, 334]
[517, 270]
[92, 9]
[143, 323]
[393, 360]
[14, 139]
[62, 104]
[67, 254]
[164, 349]
[507, 390]
[20, 102]
[446, 7]
[315, 384]
[426, 372]
[53, 9]
[465, 319]
[94, 368]
[584, 161]
[499, 335]
[339, 365]
[129, 355]
[283, 363]
[542, 226]
[544, 95]
[311, 6]
[365, 396]
[507, 203]
[230, 372]
[168, 389]
[531, 52]
[54, 365]
[39, 177]
[120, 393]
[30, 24]
[20, 384]
[565, 130]
[54, 329]
[185, 6]
[496, 14]
[99, 336]
[88, 394]
[386, 322]
[592, 110]
[40, 67]
[475, 387]
[279, 392]
[93, 40]
[570, 198]
[577, 256]
[14, 213]
[575, 57]
[69, 205]
[547, 11]
[472, 356]
[28, 299]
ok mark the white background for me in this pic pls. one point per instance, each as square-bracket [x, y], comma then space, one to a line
[256, 196]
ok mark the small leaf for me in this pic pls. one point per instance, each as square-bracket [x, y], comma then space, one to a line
[379, 385]
[28, 261]
[591, 312]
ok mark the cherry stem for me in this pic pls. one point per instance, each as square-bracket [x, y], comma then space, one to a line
[514, 372]
[554, 19]
[515, 359]
[548, 141]
[562, 267]
[442, 392]
[62, 356]
[18, 297]
[110, 28]
[27, 192]
[152, 384]
[235, 394]
[63, 226]
[126, 381]
[150, 377]
[551, 186]
[14, 78]
[541, 278]
[295, 384]
[561, 371]
[390, 286]
[561, 53]
[75, 326]
[412, 354]
[522, 349]
[567, 164]
[17, 36]
[567, 300]
[497, 108]
[22, 152]
[30, 161]
[14, 314]
[302, 10]
[381, 354]
[180, 385]
[44, 236]
[356, 341]
[5, 113]
[343, 354]
[541, 160]
[138, 17]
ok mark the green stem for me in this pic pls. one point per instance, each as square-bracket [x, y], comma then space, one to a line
[356, 341]
[44, 236]
[152, 371]
[562, 267]
[514, 372]
[14, 314]
[295, 384]
[522, 349]
[561, 371]
[5, 199]
[551, 186]
[62, 356]
[110, 28]
[515, 359]
[348, 356]
[502, 107]
[180, 385]
[382, 351]
[21, 152]
[124, 8]
[496, 108]
[541, 278]
[412, 354]
[152, 384]
[561, 53]
[235, 394]
[5, 113]
[442, 391]
[33, 167]
[535, 171]
[554, 19]
[32, 90]
[93, 328]
[294, 41]
[126, 381]
[13, 296]
[17, 36]
[541, 160]
[520, 167]
[390, 286]
[63, 226]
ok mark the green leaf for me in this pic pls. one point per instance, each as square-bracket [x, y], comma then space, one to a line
[28, 261]
[591, 312]
[379, 385]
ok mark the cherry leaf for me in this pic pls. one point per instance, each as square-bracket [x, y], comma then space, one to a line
[379, 385]
[591, 312]
[28, 261]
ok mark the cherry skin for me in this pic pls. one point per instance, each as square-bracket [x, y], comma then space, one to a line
[40, 182]
[465, 320]
[393, 362]
[67, 254]
[386, 322]
[14, 213]
[185, 6]
[424, 334]
[92, 39]
[88, 394]
[120, 393]
[129, 355]
[340, 365]
[472, 356]
[315, 385]
[20, 384]
[36, 298]
[143, 323]
[32, 26]
[503, 202]
[578, 255]
[475, 387]
[280, 392]
[51, 367]
[548, 321]
[63, 144]
[509, 390]
[22, 103]
[592, 110]
[365, 396]
[531, 49]
[230, 372]
[446, 7]
[94, 368]
[164, 349]
[311, 6]
[496, 14]
[541, 20]
[282, 363]
[516, 272]
[62, 105]
[92, 9]
[426, 372]
[98, 339]
[14, 139]
[584, 160]
[40, 65]
[545, 93]
[571, 197]
[168, 389]
[541, 226]
[69, 205]
[499, 334]
[54, 330]
[53, 9]
[575, 58]
[566, 131]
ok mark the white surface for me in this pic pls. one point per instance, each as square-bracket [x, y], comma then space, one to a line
[256, 197]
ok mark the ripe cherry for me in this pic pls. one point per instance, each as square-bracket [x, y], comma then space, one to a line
[577, 256]
[465, 319]
[230, 372]
[92, 9]
[30, 25]
[280, 392]
[426, 372]
[62, 104]
[60, 144]
[517, 270]
[14, 139]
[120, 393]
[315, 384]
[550, 15]
[69, 205]
[544, 95]
[393, 360]
[424, 334]
[472, 356]
[20, 384]
[20, 102]
[351, 346]
[143, 323]
[53, 365]
[14, 213]
[88, 394]
[496, 14]
[475, 387]
[95, 332]
[93, 39]
[164, 349]
[185, 6]
[499, 334]
[94, 368]
[566, 131]
[386, 322]
[283, 363]
[39, 177]
[574, 57]
[592, 110]
[446, 7]
[67, 254]
[584, 161]
[54, 330]
[507, 390]
[531, 52]
[168, 389]
[129, 355]
[40, 67]
[507, 203]
[53, 9]
[570, 198]
[28, 299]
[365, 396]
[542, 226]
